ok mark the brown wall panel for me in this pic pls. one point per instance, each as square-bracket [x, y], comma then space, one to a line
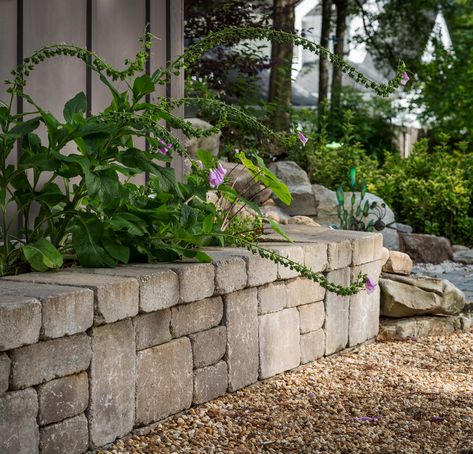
[117, 26]
[7, 43]
[45, 22]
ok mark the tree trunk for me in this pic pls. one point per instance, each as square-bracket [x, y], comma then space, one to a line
[324, 42]
[279, 94]
[342, 9]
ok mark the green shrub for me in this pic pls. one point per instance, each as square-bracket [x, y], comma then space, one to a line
[430, 190]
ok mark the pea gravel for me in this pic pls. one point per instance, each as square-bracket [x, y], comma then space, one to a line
[394, 397]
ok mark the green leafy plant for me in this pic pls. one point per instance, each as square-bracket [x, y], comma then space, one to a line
[431, 190]
[355, 216]
[85, 207]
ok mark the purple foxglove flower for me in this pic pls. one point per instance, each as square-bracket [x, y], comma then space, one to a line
[368, 418]
[437, 418]
[217, 176]
[370, 285]
[165, 148]
[302, 138]
[405, 78]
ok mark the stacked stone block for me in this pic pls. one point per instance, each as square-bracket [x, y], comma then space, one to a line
[87, 355]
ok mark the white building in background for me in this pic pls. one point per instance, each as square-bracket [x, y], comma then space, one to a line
[306, 71]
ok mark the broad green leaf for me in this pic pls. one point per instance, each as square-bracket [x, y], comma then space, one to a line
[113, 90]
[277, 228]
[207, 158]
[129, 222]
[353, 177]
[23, 128]
[353, 199]
[340, 196]
[76, 106]
[115, 248]
[51, 195]
[137, 159]
[208, 223]
[142, 86]
[261, 173]
[42, 255]
[103, 185]
[188, 216]
[87, 233]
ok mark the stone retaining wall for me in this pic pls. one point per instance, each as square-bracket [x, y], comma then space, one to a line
[86, 355]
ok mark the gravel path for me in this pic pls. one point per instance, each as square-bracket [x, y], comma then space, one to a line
[394, 397]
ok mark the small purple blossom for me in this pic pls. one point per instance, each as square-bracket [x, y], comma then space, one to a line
[165, 147]
[368, 418]
[370, 285]
[437, 418]
[311, 395]
[405, 78]
[302, 137]
[217, 176]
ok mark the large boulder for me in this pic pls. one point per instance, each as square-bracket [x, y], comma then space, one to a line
[211, 143]
[413, 327]
[425, 248]
[391, 239]
[398, 263]
[327, 206]
[296, 179]
[240, 178]
[403, 296]
[464, 256]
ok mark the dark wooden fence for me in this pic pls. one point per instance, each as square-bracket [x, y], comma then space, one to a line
[111, 28]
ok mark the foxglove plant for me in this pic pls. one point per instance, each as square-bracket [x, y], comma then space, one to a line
[84, 206]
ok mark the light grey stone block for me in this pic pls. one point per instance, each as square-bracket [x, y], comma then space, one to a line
[312, 316]
[116, 297]
[65, 310]
[339, 254]
[315, 256]
[364, 308]
[159, 287]
[196, 280]
[303, 291]
[279, 348]
[197, 316]
[152, 329]
[112, 382]
[364, 317]
[336, 313]
[63, 398]
[4, 372]
[209, 346]
[272, 297]
[19, 432]
[241, 319]
[20, 321]
[312, 346]
[260, 270]
[230, 274]
[38, 363]
[70, 436]
[164, 381]
[367, 248]
[210, 382]
[292, 252]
